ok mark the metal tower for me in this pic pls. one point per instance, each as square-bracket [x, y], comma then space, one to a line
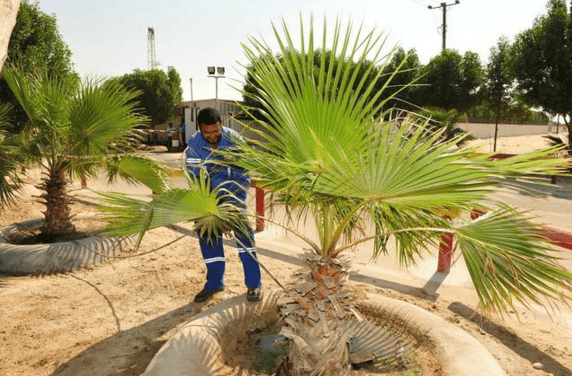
[152, 62]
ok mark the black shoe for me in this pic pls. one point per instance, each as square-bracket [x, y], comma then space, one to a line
[254, 294]
[205, 295]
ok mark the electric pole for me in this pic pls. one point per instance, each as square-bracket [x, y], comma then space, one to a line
[444, 6]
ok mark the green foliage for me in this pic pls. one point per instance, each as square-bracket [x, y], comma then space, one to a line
[403, 88]
[452, 81]
[79, 131]
[10, 160]
[498, 78]
[36, 45]
[515, 113]
[159, 92]
[328, 154]
[392, 78]
[542, 62]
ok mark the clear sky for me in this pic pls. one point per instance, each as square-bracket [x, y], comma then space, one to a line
[109, 37]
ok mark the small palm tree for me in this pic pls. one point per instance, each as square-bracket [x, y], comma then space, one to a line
[327, 154]
[73, 132]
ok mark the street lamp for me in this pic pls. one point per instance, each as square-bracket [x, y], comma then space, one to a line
[216, 74]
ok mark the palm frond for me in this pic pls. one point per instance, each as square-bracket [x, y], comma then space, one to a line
[138, 168]
[102, 119]
[212, 215]
[10, 161]
[509, 260]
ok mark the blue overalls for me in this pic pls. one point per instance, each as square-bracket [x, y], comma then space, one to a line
[237, 181]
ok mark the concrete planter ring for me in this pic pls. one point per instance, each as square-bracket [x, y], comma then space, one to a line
[199, 347]
[39, 259]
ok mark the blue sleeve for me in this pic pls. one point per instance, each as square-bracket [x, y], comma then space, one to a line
[193, 161]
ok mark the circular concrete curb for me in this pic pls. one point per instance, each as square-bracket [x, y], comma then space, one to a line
[460, 353]
[195, 348]
[38, 259]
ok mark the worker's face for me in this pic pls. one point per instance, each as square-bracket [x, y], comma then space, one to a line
[212, 133]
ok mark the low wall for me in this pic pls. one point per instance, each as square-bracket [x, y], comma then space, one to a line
[487, 130]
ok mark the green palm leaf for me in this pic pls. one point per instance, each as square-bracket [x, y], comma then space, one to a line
[211, 214]
[101, 119]
[330, 153]
[509, 260]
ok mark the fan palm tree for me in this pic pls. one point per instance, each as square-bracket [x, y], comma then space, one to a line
[75, 132]
[326, 154]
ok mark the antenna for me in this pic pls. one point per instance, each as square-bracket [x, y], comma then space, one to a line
[152, 62]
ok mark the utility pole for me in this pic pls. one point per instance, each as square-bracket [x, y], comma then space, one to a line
[444, 6]
[191, 88]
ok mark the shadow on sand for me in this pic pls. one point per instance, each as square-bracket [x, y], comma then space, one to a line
[520, 347]
[128, 352]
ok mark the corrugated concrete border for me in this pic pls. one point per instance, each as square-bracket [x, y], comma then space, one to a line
[195, 348]
[41, 259]
[461, 354]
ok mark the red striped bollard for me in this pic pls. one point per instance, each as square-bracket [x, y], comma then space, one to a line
[445, 251]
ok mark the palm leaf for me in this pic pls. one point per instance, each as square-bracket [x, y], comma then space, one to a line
[102, 119]
[212, 215]
[329, 153]
[138, 168]
[509, 261]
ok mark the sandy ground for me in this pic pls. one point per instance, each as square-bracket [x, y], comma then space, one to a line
[112, 318]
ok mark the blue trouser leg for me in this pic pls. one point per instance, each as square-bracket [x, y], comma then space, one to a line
[246, 251]
[213, 254]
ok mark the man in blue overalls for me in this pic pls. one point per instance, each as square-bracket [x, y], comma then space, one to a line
[212, 136]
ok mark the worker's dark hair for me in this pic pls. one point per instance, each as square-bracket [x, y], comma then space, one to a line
[208, 116]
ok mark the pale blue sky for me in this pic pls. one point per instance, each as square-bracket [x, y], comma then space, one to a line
[109, 37]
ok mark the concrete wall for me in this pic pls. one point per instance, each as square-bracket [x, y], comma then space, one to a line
[487, 130]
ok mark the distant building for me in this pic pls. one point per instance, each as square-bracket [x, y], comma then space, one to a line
[186, 117]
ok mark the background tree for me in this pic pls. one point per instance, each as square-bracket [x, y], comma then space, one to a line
[451, 81]
[159, 92]
[542, 62]
[473, 79]
[407, 69]
[36, 45]
[498, 81]
[394, 86]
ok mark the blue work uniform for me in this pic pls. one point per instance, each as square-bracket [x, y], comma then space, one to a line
[237, 181]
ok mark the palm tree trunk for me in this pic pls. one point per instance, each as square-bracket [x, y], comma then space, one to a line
[315, 311]
[57, 218]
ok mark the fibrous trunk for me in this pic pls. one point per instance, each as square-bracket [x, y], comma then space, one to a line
[315, 311]
[57, 218]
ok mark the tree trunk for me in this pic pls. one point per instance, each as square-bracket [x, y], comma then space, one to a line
[8, 13]
[569, 127]
[315, 311]
[57, 218]
[496, 128]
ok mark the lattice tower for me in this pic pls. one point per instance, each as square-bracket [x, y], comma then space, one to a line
[152, 62]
